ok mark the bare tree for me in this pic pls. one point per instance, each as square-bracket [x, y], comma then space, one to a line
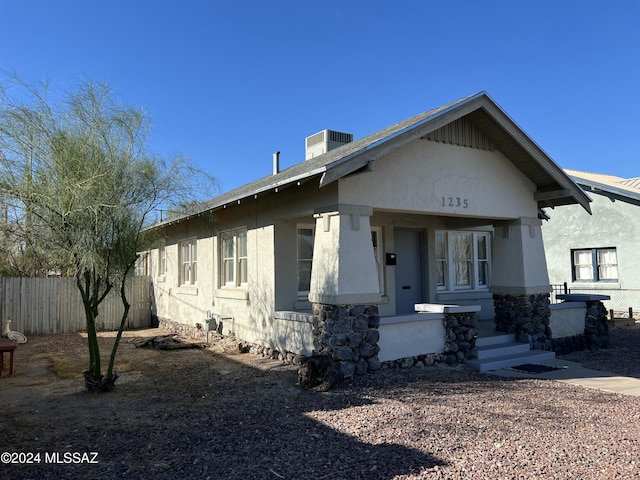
[79, 187]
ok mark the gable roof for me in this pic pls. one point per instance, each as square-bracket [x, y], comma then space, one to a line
[554, 187]
[628, 188]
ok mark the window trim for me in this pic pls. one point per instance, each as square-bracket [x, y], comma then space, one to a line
[162, 261]
[303, 226]
[236, 281]
[192, 263]
[448, 262]
[595, 266]
[378, 255]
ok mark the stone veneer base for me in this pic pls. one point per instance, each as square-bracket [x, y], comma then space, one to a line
[527, 316]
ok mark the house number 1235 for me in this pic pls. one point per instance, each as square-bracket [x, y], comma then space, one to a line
[455, 202]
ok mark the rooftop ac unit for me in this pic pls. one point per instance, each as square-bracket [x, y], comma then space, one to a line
[325, 140]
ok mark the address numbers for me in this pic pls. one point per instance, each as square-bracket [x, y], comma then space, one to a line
[455, 202]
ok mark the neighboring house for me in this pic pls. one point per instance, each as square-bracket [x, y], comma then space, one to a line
[442, 208]
[598, 253]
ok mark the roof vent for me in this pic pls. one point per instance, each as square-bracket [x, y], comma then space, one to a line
[326, 140]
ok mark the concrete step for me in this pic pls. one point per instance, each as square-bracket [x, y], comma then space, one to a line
[502, 350]
[497, 339]
[506, 361]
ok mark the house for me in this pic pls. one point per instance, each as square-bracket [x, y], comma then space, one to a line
[439, 213]
[598, 253]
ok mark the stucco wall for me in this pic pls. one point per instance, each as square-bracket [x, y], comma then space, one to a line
[613, 224]
[411, 335]
[426, 176]
[567, 319]
[247, 312]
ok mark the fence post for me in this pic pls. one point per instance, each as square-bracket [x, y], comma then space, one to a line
[630, 313]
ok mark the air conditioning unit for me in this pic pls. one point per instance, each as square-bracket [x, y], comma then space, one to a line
[325, 140]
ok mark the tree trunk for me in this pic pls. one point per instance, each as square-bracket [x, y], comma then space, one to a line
[94, 381]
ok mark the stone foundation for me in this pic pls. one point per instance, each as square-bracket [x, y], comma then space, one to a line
[349, 335]
[596, 329]
[525, 315]
[460, 337]
[568, 344]
[184, 330]
[191, 331]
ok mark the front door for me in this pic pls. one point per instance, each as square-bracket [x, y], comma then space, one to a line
[409, 261]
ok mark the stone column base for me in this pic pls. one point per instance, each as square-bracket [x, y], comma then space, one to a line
[349, 335]
[525, 315]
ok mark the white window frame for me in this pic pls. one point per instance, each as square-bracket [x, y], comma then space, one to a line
[234, 269]
[299, 260]
[188, 261]
[376, 240]
[448, 263]
[594, 266]
[142, 264]
[162, 260]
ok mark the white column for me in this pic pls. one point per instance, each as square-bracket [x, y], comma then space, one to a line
[344, 268]
[519, 266]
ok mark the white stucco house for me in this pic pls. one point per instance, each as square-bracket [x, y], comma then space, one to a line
[598, 253]
[333, 254]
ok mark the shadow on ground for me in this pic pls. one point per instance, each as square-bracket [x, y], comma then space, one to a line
[186, 414]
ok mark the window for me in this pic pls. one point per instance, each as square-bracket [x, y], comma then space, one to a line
[462, 260]
[595, 265]
[305, 258]
[162, 261]
[376, 240]
[188, 261]
[234, 258]
[142, 264]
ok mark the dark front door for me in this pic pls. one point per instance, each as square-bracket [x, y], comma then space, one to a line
[409, 284]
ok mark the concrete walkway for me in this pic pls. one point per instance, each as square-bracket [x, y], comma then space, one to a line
[576, 374]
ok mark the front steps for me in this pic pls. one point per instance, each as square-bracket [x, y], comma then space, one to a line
[503, 351]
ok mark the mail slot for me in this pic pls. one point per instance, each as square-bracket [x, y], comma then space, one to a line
[406, 287]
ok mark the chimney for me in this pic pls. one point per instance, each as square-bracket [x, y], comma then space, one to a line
[276, 162]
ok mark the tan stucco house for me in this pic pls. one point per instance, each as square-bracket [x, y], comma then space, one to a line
[360, 249]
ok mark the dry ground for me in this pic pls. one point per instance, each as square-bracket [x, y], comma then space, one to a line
[205, 414]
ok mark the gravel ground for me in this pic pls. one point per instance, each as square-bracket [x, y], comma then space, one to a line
[211, 414]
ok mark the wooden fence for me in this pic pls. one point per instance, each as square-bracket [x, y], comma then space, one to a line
[53, 305]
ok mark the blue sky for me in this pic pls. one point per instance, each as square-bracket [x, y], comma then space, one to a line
[230, 82]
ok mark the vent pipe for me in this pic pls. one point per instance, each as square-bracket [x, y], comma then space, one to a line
[276, 162]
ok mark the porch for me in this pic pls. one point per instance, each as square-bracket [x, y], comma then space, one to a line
[496, 350]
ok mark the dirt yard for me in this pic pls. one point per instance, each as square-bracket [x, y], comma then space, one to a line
[211, 413]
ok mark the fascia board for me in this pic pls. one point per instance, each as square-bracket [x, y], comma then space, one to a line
[536, 152]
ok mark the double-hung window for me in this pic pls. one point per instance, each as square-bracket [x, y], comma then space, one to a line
[462, 260]
[234, 258]
[305, 258]
[595, 265]
[162, 260]
[188, 261]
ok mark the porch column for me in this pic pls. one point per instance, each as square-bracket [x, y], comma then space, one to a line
[520, 282]
[344, 289]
